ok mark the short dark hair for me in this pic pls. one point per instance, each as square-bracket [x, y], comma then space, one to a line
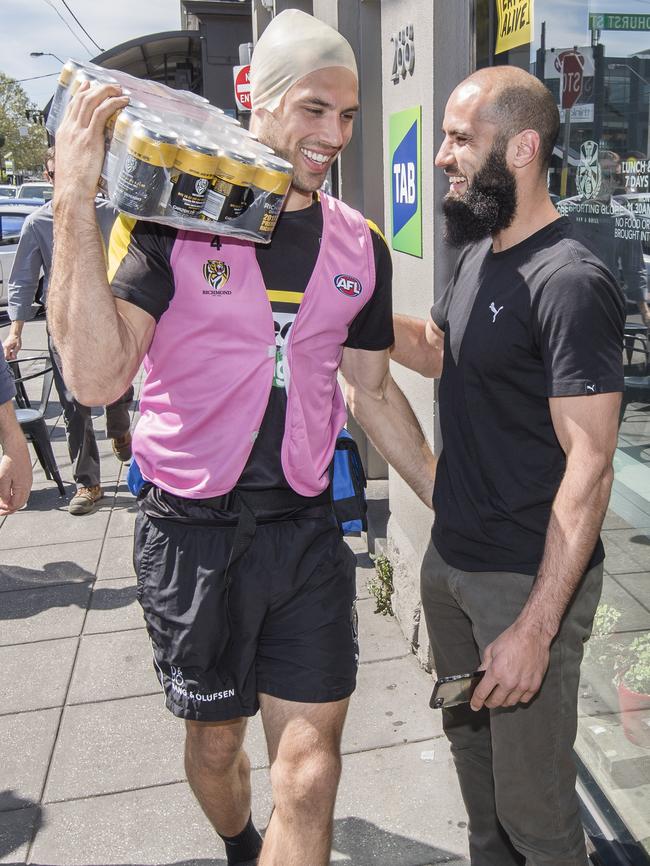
[520, 101]
[522, 108]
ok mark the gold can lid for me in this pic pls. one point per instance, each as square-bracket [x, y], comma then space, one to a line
[271, 179]
[68, 71]
[275, 163]
[122, 121]
[95, 79]
[236, 166]
[196, 158]
[150, 144]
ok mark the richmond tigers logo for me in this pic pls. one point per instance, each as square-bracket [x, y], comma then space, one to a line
[216, 273]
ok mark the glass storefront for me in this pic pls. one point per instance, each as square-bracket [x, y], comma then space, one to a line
[595, 57]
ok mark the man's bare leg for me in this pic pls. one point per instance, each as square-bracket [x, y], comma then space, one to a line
[218, 771]
[304, 743]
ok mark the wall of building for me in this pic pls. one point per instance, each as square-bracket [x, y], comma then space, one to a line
[442, 58]
[223, 27]
[410, 521]
[441, 38]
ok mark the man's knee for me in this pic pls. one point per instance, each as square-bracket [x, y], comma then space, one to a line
[213, 748]
[302, 780]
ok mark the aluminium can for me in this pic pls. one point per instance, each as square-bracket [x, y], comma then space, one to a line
[140, 185]
[270, 187]
[194, 169]
[230, 191]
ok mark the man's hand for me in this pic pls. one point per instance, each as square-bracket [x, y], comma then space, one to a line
[15, 474]
[515, 664]
[11, 346]
[80, 140]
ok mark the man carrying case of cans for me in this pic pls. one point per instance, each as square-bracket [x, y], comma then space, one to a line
[246, 584]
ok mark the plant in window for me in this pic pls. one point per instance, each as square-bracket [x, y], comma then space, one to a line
[633, 681]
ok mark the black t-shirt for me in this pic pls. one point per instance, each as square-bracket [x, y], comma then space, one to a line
[541, 319]
[143, 276]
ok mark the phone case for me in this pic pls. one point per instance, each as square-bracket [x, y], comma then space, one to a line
[454, 690]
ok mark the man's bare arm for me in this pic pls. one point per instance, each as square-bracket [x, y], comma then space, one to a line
[418, 345]
[15, 465]
[587, 429]
[385, 414]
[101, 340]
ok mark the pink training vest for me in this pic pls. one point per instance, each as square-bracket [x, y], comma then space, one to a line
[209, 369]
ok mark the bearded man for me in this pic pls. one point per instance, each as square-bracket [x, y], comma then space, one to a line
[530, 329]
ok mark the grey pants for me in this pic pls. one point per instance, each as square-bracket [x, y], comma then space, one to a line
[82, 445]
[515, 765]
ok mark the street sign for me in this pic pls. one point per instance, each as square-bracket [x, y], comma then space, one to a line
[583, 112]
[515, 24]
[572, 70]
[241, 75]
[613, 21]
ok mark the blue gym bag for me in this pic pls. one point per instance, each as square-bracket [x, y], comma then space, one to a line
[348, 486]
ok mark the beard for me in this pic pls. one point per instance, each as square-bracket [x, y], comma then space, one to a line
[487, 207]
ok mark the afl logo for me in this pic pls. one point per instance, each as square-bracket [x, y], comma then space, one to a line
[348, 285]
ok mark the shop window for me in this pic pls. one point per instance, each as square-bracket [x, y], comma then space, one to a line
[600, 179]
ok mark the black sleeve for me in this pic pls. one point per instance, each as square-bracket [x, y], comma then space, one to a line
[440, 308]
[372, 329]
[139, 267]
[579, 322]
[7, 387]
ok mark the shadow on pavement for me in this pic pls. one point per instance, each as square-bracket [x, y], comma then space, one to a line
[52, 574]
[104, 598]
[48, 498]
[57, 575]
[361, 842]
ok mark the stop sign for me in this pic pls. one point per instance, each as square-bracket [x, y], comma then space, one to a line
[572, 66]
[242, 87]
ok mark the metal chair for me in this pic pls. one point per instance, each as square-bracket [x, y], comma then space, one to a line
[637, 390]
[635, 340]
[32, 420]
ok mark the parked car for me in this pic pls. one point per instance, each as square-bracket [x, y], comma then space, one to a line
[12, 217]
[40, 189]
[7, 190]
[20, 202]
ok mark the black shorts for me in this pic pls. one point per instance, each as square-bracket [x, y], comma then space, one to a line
[285, 624]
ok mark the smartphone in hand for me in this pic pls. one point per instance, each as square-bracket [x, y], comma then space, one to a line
[454, 690]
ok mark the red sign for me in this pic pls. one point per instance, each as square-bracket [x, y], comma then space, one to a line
[242, 87]
[572, 66]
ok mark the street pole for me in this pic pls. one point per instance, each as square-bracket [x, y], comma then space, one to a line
[564, 177]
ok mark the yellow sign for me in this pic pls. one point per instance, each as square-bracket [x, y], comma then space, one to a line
[515, 25]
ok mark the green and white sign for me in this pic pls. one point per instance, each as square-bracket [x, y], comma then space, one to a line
[616, 21]
[405, 142]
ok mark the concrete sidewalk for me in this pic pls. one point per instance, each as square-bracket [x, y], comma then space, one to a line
[91, 763]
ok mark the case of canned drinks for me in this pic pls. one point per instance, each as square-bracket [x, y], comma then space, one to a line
[173, 158]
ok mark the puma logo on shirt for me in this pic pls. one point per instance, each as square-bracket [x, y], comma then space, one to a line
[494, 311]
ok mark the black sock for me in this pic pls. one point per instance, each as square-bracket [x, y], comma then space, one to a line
[245, 846]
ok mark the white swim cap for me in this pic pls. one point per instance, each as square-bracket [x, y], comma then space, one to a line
[293, 45]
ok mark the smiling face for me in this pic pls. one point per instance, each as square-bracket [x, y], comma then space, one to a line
[312, 124]
[482, 196]
[469, 137]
